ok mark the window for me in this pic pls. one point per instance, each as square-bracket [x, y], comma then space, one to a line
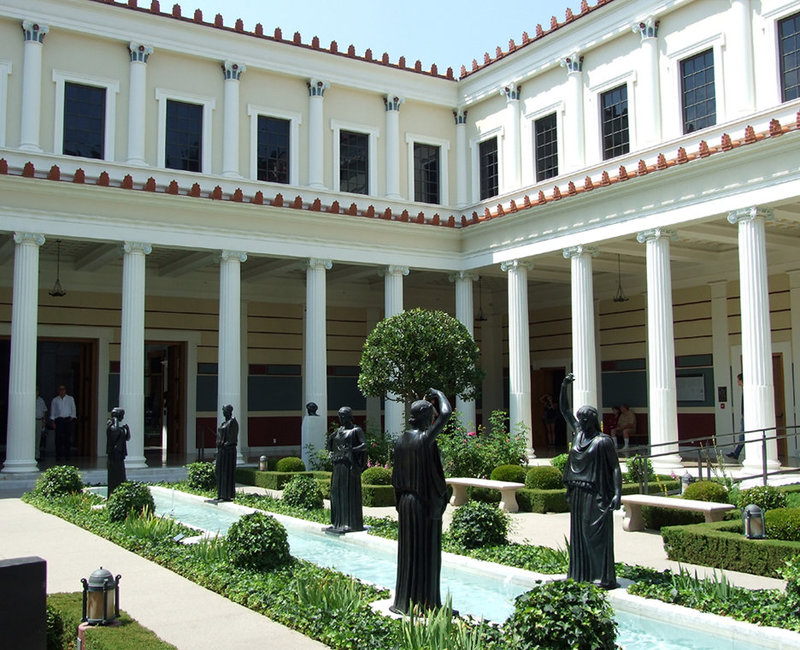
[426, 173]
[789, 40]
[489, 170]
[184, 136]
[614, 119]
[546, 146]
[273, 149]
[697, 91]
[84, 120]
[354, 162]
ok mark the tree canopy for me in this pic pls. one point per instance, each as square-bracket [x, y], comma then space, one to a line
[418, 349]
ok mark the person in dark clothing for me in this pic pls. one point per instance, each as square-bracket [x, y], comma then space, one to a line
[421, 498]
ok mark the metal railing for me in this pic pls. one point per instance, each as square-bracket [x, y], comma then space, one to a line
[706, 451]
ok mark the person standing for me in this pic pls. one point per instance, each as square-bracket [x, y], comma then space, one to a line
[63, 414]
[421, 496]
[41, 412]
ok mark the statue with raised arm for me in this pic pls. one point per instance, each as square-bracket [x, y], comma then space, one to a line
[348, 452]
[227, 439]
[594, 490]
[421, 498]
[117, 436]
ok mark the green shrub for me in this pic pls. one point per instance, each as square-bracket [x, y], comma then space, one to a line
[560, 462]
[564, 615]
[257, 541]
[129, 496]
[485, 495]
[542, 500]
[766, 497]
[544, 477]
[303, 492]
[376, 476]
[791, 573]
[783, 523]
[706, 491]
[55, 628]
[479, 524]
[512, 473]
[271, 480]
[638, 469]
[377, 496]
[723, 545]
[656, 518]
[290, 464]
[201, 476]
[59, 480]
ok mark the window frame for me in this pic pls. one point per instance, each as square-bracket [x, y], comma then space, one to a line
[594, 139]
[444, 149]
[337, 126]
[682, 78]
[295, 120]
[111, 86]
[779, 54]
[208, 104]
[557, 141]
[474, 144]
[601, 122]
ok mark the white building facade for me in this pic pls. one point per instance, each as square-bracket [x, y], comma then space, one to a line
[231, 211]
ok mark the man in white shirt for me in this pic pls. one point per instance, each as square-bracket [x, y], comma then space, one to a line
[62, 412]
[41, 411]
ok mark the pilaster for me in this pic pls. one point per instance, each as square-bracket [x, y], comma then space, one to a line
[31, 114]
[512, 148]
[460, 117]
[649, 104]
[573, 118]
[392, 104]
[139, 54]
[316, 93]
[231, 72]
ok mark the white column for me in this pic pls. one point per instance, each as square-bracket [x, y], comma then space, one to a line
[315, 369]
[373, 403]
[466, 315]
[230, 115]
[663, 394]
[511, 175]
[316, 92]
[741, 84]
[229, 369]
[244, 407]
[519, 356]
[584, 353]
[392, 104]
[724, 414]
[794, 305]
[649, 99]
[573, 119]
[137, 104]
[461, 157]
[758, 391]
[131, 354]
[394, 411]
[31, 113]
[21, 439]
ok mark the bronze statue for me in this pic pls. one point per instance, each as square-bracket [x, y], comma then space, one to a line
[227, 438]
[117, 436]
[421, 497]
[348, 453]
[594, 490]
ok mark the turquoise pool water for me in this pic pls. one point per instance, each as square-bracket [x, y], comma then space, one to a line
[478, 594]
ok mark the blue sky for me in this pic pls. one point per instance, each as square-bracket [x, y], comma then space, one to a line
[443, 32]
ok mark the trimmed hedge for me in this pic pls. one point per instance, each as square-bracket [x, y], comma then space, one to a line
[723, 545]
[376, 476]
[544, 477]
[290, 464]
[709, 491]
[272, 480]
[783, 523]
[511, 473]
[542, 501]
[377, 496]
[656, 518]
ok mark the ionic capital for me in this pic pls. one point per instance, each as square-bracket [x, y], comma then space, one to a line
[29, 238]
[750, 214]
[233, 70]
[648, 28]
[573, 62]
[656, 233]
[227, 255]
[137, 247]
[34, 32]
[394, 269]
[463, 275]
[317, 264]
[514, 265]
[317, 87]
[577, 251]
[460, 116]
[392, 102]
[139, 52]
[511, 92]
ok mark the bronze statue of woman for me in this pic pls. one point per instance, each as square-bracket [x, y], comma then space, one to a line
[594, 490]
[227, 438]
[348, 451]
[117, 436]
[421, 498]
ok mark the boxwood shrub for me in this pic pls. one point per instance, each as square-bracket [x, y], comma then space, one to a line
[542, 500]
[478, 524]
[271, 480]
[127, 497]
[512, 473]
[723, 545]
[560, 462]
[783, 523]
[201, 475]
[706, 491]
[290, 464]
[377, 496]
[59, 480]
[376, 476]
[257, 541]
[303, 492]
[544, 477]
[766, 497]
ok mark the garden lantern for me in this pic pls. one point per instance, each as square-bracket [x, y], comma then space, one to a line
[100, 597]
[262, 464]
[753, 520]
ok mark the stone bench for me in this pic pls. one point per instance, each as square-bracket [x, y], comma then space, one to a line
[508, 491]
[633, 508]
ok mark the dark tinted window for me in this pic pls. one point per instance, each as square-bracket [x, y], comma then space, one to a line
[614, 106]
[489, 171]
[546, 147]
[84, 120]
[697, 92]
[426, 173]
[789, 38]
[184, 146]
[273, 150]
[354, 162]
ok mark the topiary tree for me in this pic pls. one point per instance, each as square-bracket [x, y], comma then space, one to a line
[59, 480]
[290, 464]
[544, 477]
[512, 473]
[477, 524]
[706, 491]
[376, 476]
[129, 497]
[563, 615]
[408, 353]
[257, 541]
[303, 492]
